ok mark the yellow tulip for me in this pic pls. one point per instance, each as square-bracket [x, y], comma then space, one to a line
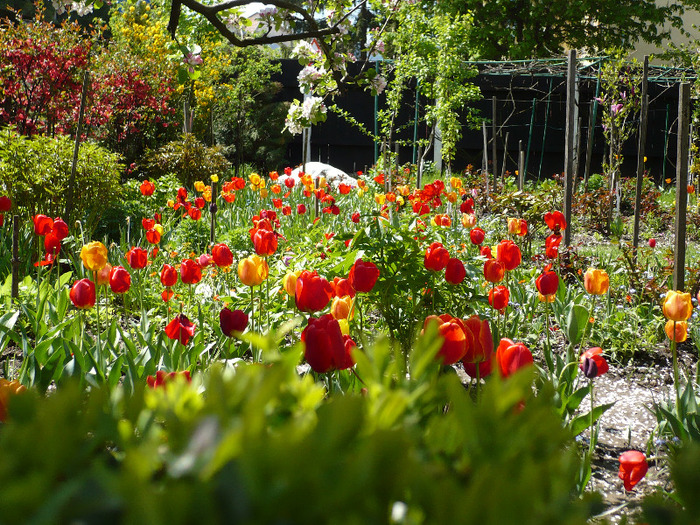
[253, 270]
[199, 186]
[677, 306]
[94, 256]
[344, 326]
[289, 282]
[596, 282]
[342, 307]
[468, 220]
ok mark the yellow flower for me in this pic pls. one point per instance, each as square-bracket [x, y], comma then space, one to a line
[596, 282]
[94, 256]
[468, 220]
[342, 307]
[452, 197]
[263, 193]
[455, 182]
[254, 179]
[379, 198]
[253, 270]
[199, 186]
[214, 178]
[344, 326]
[677, 306]
[289, 282]
[159, 228]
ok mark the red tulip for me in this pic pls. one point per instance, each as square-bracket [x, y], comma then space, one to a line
[194, 213]
[52, 244]
[548, 282]
[60, 228]
[512, 356]
[232, 321]
[148, 224]
[485, 251]
[592, 363]
[312, 293]
[168, 275]
[204, 260]
[633, 467]
[480, 346]
[508, 253]
[355, 217]
[301, 209]
[153, 236]
[137, 258]
[325, 348]
[162, 377]
[180, 328]
[467, 206]
[551, 246]
[436, 257]
[42, 224]
[342, 287]
[119, 280]
[477, 236]
[454, 336]
[200, 203]
[190, 272]
[182, 194]
[494, 271]
[498, 298]
[5, 203]
[147, 188]
[455, 272]
[222, 255]
[363, 275]
[286, 210]
[82, 294]
[555, 221]
[484, 368]
[289, 182]
[652, 243]
[264, 241]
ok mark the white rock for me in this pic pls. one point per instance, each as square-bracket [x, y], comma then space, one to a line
[333, 175]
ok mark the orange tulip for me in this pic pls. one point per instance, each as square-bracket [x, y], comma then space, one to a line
[680, 329]
[677, 306]
[342, 307]
[596, 282]
[8, 389]
[454, 335]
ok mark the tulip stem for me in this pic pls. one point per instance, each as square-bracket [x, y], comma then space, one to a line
[548, 347]
[97, 314]
[676, 383]
[594, 431]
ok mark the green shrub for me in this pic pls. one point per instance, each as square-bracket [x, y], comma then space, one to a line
[188, 159]
[36, 174]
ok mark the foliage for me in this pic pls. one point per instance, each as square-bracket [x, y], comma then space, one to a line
[188, 159]
[37, 171]
[535, 29]
[42, 67]
[246, 118]
[252, 445]
[427, 44]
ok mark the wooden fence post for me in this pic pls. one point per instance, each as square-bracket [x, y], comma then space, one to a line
[505, 156]
[569, 142]
[521, 166]
[640, 155]
[681, 184]
[485, 158]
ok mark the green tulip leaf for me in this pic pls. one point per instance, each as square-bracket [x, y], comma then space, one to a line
[582, 422]
[576, 323]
